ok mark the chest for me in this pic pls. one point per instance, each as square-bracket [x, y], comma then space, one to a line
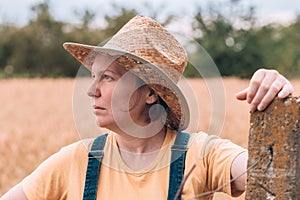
[118, 184]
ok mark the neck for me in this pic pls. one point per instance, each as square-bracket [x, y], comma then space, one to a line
[139, 153]
[129, 143]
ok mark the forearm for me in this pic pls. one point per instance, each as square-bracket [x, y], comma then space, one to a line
[238, 169]
[15, 193]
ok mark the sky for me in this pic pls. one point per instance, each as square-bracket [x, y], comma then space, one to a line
[18, 11]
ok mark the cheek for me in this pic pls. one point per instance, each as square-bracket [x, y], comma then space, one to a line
[105, 97]
[107, 94]
[124, 96]
[138, 104]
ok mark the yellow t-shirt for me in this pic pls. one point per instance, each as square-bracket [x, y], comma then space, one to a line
[62, 176]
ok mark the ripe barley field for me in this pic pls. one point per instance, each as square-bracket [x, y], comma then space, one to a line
[39, 116]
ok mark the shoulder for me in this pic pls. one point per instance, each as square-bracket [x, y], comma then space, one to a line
[51, 178]
[201, 139]
[204, 144]
[77, 149]
[66, 155]
[79, 146]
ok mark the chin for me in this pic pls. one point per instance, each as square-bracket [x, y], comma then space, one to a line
[105, 123]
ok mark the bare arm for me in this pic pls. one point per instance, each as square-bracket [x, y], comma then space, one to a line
[239, 167]
[15, 193]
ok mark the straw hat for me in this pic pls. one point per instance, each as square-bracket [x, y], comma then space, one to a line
[148, 50]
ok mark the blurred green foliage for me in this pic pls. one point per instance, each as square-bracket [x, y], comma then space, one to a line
[35, 50]
[241, 51]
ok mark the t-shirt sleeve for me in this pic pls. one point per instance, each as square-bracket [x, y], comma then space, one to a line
[49, 180]
[218, 161]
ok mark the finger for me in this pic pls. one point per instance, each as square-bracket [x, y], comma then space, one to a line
[242, 95]
[255, 82]
[263, 89]
[286, 90]
[272, 92]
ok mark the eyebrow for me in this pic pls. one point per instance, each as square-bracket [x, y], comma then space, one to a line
[100, 73]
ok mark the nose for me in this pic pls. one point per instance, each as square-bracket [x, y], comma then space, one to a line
[94, 90]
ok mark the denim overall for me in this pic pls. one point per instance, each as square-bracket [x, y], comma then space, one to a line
[95, 155]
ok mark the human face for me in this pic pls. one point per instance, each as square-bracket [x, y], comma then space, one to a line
[114, 94]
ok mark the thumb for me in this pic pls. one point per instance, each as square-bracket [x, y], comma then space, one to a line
[242, 95]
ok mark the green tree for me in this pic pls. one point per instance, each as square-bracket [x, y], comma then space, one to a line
[6, 50]
[237, 51]
[36, 48]
[115, 23]
[286, 53]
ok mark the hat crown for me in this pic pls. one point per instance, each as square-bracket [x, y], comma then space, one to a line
[145, 38]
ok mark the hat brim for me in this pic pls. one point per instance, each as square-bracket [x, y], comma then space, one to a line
[151, 74]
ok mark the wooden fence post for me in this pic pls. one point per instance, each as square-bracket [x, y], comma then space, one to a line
[274, 152]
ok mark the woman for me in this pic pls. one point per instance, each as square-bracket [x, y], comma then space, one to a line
[146, 154]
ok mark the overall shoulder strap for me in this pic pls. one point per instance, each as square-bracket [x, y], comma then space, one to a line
[178, 149]
[93, 168]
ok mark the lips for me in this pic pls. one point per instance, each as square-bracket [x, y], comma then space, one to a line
[98, 109]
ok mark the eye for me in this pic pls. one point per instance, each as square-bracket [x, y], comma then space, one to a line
[107, 77]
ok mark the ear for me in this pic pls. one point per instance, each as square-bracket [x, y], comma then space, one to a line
[151, 97]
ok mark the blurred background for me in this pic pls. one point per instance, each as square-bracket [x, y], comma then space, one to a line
[240, 35]
[37, 76]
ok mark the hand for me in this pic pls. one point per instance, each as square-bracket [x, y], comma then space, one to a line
[264, 86]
